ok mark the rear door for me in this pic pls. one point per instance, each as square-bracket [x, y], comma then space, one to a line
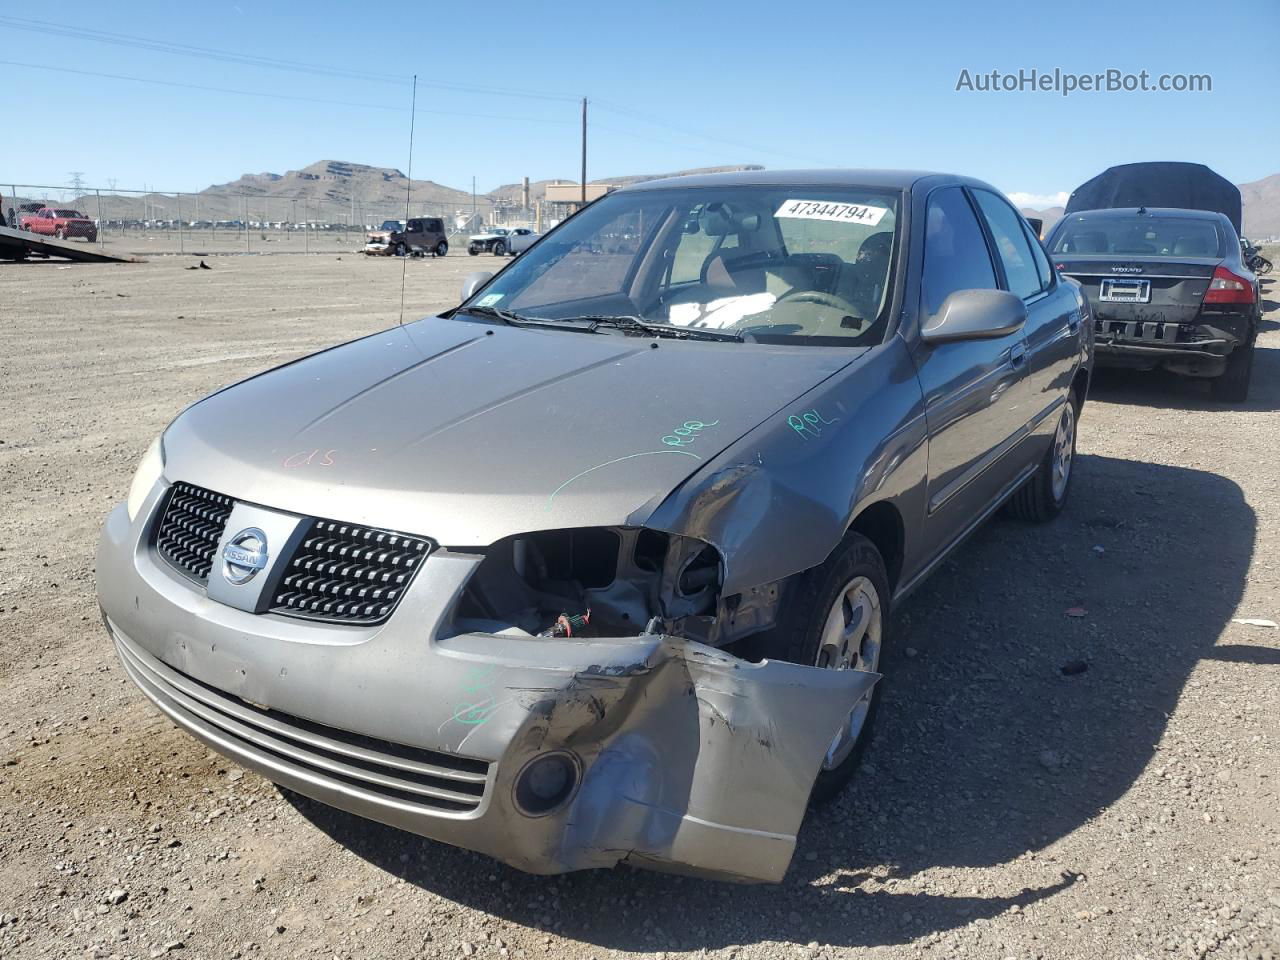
[1053, 317]
[973, 401]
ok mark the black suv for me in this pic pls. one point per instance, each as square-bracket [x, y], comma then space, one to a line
[420, 235]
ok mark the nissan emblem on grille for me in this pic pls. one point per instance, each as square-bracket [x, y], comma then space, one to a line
[244, 555]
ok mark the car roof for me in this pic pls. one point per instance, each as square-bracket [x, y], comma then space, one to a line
[836, 177]
[1112, 213]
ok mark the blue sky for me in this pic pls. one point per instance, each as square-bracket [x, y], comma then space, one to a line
[672, 85]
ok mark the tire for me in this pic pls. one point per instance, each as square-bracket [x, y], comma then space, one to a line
[59, 234]
[442, 249]
[1044, 494]
[473, 250]
[852, 581]
[1232, 385]
[399, 250]
[499, 249]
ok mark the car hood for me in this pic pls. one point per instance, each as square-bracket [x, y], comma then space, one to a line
[467, 433]
[488, 236]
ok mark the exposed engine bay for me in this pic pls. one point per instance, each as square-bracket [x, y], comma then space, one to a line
[608, 582]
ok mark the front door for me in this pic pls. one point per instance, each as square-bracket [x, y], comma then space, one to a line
[974, 390]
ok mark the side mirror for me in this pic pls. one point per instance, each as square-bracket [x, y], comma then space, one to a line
[975, 315]
[478, 279]
[1037, 225]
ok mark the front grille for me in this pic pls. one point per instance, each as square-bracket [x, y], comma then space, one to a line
[190, 528]
[376, 770]
[347, 573]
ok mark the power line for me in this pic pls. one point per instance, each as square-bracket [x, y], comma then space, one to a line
[270, 63]
[275, 96]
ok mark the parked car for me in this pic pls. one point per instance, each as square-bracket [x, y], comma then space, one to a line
[378, 242]
[421, 235]
[500, 241]
[637, 614]
[61, 224]
[1169, 289]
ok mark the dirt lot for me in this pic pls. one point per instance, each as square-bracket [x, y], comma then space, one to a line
[1005, 809]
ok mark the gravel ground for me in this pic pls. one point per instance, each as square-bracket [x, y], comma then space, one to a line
[1125, 806]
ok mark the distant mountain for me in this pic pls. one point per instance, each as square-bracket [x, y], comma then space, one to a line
[340, 182]
[330, 191]
[1261, 207]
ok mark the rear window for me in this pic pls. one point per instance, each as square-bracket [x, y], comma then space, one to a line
[1139, 236]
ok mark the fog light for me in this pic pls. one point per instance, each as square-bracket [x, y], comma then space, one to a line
[546, 782]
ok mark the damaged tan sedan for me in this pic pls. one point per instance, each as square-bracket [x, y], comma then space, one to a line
[598, 566]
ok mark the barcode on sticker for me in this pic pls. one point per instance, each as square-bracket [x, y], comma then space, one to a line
[825, 210]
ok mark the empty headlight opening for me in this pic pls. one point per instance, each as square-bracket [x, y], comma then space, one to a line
[594, 582]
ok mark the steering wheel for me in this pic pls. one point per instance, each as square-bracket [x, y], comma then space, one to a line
[820, 298]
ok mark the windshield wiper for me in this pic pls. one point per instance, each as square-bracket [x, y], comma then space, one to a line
[516, 320]
[638, 326]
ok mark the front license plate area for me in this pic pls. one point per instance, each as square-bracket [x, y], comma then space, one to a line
[1125, 290]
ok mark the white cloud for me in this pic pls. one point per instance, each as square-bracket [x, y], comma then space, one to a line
[1039, 201]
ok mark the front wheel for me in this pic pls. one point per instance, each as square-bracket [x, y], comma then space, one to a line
[838, 619]
[1044, 495]
[499, 249]
[442, 249]
[400, 250]
[473, 250]
[1232, 385]
[59, 234]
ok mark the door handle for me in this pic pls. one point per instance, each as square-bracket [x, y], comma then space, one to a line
[1018, 354]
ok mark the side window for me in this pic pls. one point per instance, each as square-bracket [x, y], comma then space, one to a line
[1011, 244]
[1042, 260]
[955, 251]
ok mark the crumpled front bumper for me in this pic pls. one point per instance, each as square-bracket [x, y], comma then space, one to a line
[690, 760]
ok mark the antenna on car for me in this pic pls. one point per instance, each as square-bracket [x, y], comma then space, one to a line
[408, 189]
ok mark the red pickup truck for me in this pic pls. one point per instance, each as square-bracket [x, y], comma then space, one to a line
[60, 223]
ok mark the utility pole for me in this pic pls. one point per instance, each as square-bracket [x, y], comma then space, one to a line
[584, 151]
[77, 183]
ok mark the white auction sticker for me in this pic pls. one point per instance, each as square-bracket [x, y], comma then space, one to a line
[825, 210]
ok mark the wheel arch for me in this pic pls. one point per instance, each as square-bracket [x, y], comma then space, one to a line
[881, 523]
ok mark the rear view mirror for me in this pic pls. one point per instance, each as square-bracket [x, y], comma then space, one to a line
[474, 282]
[975, 315]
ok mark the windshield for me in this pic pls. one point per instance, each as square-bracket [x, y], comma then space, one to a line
[775, 264]
[69, 214]
[1139, 236]
[392, 225]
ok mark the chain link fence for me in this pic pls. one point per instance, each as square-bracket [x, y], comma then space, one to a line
[142, 222]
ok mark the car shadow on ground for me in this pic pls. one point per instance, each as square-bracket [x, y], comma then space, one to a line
[985, 751]
[1158, 388]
